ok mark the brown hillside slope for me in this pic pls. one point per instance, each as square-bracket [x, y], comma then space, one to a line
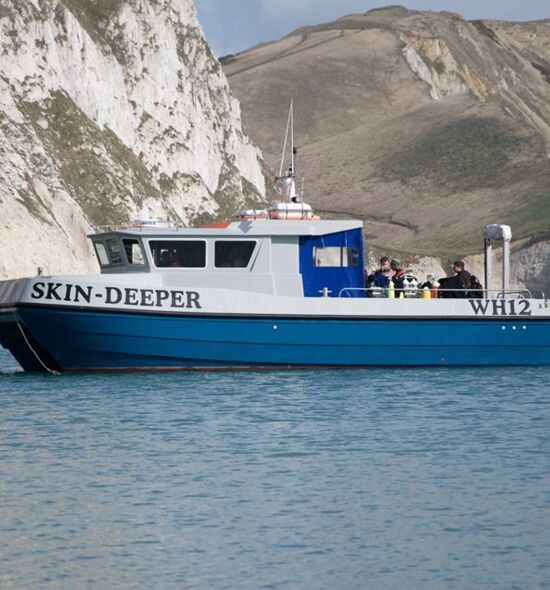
[423, 124]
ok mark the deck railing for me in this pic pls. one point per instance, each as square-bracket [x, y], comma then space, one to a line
[416, 293]
[134, 226]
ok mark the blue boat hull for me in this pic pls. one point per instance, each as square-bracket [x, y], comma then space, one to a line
[76, 339]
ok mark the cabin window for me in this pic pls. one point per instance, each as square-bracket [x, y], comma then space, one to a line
[336, 256]
[133, 251]
[233, 253]
[113, 248]
[101, 253]
[178, 253]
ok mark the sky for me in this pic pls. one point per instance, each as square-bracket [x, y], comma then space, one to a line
[234, 25]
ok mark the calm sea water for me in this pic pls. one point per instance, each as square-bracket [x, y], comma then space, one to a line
[383, 479]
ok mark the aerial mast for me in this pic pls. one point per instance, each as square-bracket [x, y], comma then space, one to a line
[289, 131]
[291, 116]
[290, 204]
[287, 179]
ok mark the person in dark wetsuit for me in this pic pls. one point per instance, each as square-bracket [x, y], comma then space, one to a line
[460, 281]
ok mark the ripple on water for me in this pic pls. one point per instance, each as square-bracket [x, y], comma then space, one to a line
[324, 479]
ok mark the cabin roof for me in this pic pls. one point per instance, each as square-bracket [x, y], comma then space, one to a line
[267, 227]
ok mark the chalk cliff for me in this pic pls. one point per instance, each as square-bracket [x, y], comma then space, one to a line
[107, 109]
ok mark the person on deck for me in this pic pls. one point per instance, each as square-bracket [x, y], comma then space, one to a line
[397, 277]
[382, 276]
[396, 268]
[460, 281]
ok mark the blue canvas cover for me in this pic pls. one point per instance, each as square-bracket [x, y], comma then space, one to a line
[316, 278]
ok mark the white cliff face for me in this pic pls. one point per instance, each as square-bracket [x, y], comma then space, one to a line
[109, 109]
[530, 267]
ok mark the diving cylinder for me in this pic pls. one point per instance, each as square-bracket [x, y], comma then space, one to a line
[435, 287]
[391, 290]
[426, 293]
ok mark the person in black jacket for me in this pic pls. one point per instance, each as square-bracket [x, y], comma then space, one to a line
[460, 281]
[462, 274]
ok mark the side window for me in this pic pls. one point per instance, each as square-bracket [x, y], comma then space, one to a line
[114, 251]
[101, 253]
[335, 256]
[233, 253]
[178, 253]
[133, 251]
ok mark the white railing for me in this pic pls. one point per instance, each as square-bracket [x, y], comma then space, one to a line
[416, 293]
[134, 226]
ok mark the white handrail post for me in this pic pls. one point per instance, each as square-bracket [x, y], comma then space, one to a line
[488, 267]
[506, 266]
[500, 233]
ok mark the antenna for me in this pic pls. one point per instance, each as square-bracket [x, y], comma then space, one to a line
[289, 130]
[291, 116]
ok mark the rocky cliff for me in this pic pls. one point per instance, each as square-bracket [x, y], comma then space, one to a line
[109, 109]
[425, 125]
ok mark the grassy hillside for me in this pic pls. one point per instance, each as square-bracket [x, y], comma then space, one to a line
[423, 124]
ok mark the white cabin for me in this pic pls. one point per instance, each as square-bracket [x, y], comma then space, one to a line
[296, 258]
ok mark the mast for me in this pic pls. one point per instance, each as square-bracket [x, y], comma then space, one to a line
[291, 116]
[290, 204]
[289, 131]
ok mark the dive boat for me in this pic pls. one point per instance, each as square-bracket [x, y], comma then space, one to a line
[276, 288]
[264, 293]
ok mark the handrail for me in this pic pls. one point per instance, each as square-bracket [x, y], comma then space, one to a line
[501, 293]
[98, 229]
